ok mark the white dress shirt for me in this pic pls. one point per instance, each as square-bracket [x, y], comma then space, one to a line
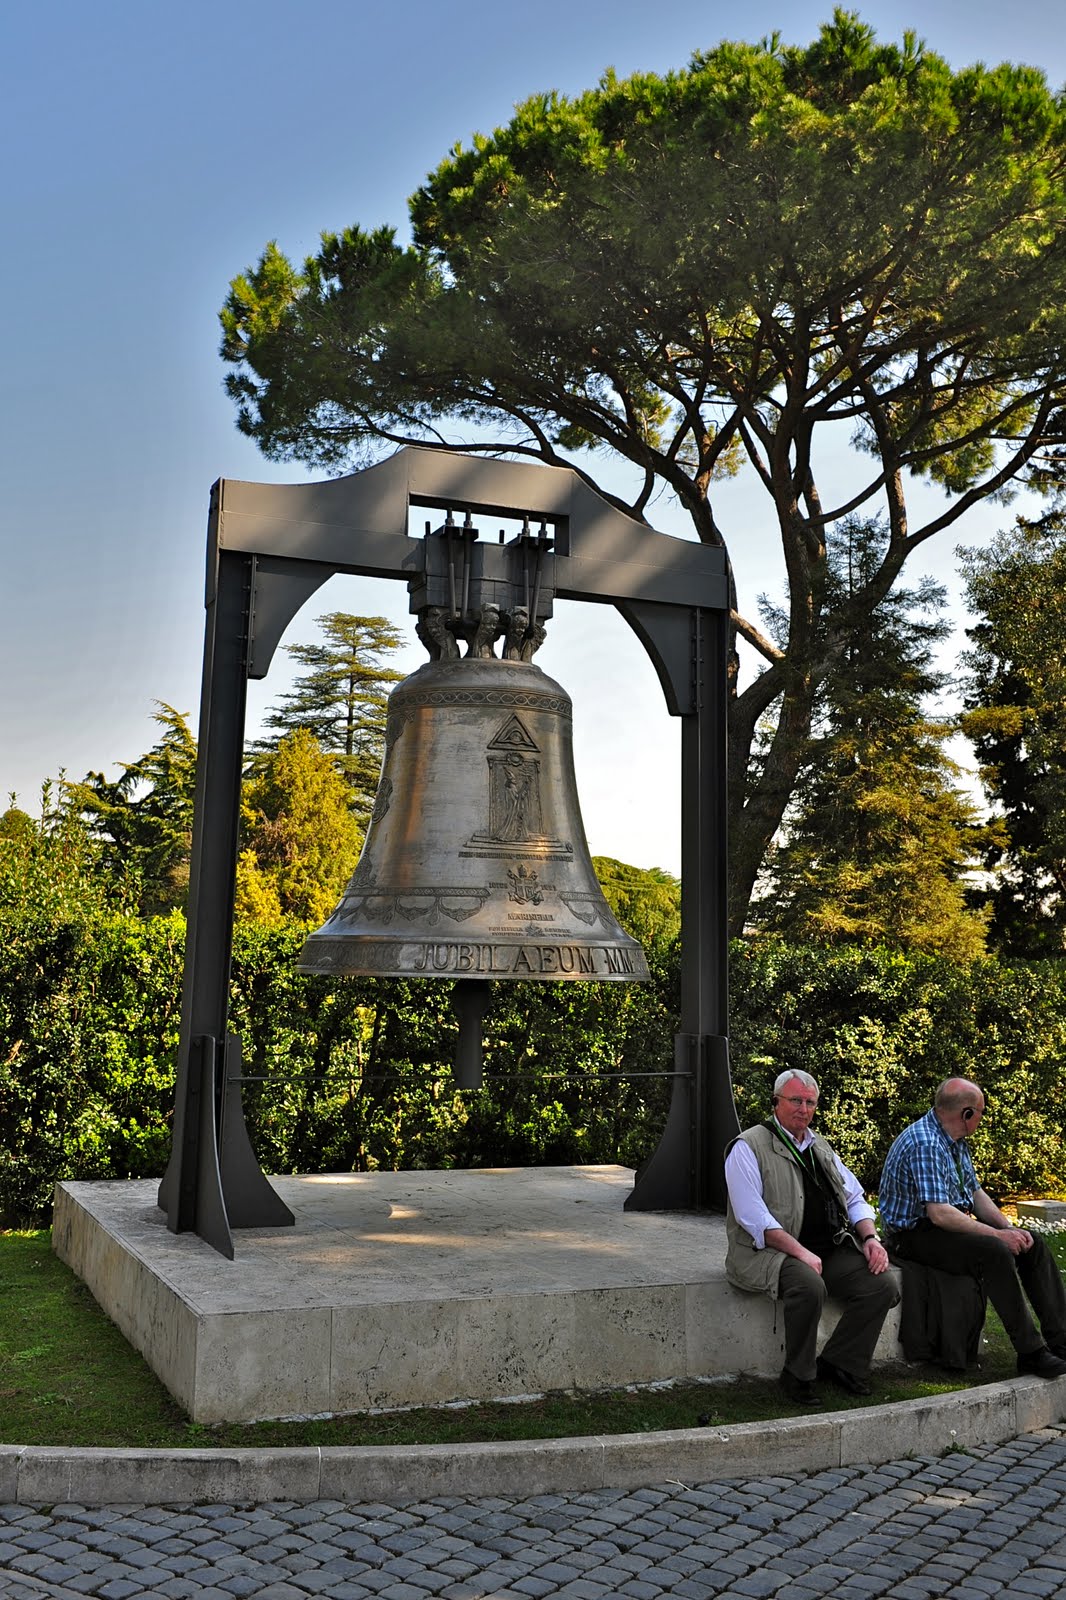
[744, 1182]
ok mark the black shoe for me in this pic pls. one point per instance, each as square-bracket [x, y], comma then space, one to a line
[1042, 1363]
[843, 1380]
[801, 1390]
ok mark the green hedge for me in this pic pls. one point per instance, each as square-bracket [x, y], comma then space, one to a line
[89, 1013]
[879, 1030]
[355, 1073]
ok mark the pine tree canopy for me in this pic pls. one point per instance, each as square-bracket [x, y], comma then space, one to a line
[143, 819]
[880, 835]
[702, 273]
[1016, 717]
[342, 698]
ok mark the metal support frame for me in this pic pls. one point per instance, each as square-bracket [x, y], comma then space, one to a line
[270, 547]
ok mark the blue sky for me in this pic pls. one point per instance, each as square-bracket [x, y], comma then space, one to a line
[151, 151]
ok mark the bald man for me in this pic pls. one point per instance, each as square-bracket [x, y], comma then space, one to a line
[934, 1211]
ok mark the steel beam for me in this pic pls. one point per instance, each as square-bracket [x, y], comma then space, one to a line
[270, 547]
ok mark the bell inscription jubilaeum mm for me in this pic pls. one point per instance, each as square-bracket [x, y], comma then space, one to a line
[475, 865]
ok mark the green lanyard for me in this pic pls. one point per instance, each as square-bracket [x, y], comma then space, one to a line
[779, 1133]
[959, 1171]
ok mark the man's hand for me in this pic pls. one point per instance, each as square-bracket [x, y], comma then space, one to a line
[778, 1239]
[989, 1220]
[876, 1254]
[1017, 1240]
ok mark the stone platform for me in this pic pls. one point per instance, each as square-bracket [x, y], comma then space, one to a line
[418, 1288]
[1046, 1211]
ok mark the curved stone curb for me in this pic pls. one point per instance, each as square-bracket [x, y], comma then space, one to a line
[404, 1474]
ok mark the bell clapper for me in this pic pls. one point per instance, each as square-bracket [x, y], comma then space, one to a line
[470, 1001]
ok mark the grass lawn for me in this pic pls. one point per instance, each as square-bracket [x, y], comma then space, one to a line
[68, 1377]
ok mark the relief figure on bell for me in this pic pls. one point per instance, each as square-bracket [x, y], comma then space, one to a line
[514, 800]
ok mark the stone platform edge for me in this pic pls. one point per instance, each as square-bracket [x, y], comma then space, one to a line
[405, 1474]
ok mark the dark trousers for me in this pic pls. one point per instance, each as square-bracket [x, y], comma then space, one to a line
[868, 1297]
[1009, 1280]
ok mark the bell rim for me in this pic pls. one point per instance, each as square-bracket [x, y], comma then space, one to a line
[624, 959]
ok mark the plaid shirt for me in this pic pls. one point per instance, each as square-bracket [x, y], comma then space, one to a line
[925, 1166]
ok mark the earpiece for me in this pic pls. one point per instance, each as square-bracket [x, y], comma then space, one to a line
[967, 1115]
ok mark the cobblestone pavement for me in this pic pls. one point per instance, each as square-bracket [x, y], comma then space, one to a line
[965, 1526]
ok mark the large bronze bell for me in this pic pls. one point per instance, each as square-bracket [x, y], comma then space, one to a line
[475, 864]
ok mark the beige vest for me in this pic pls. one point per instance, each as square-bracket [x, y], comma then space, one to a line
[782, 1187]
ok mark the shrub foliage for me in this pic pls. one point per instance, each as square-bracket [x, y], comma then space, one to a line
[354, 1075]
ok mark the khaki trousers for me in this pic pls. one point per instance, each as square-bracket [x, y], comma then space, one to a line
[868, 1297]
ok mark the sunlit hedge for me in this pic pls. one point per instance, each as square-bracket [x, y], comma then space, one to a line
[349, 1075]
[879, 1030]
[354, 1075]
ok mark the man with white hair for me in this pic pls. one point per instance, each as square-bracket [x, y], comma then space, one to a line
[799, 1229]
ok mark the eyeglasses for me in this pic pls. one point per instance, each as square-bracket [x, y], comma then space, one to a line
[798, 1100]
